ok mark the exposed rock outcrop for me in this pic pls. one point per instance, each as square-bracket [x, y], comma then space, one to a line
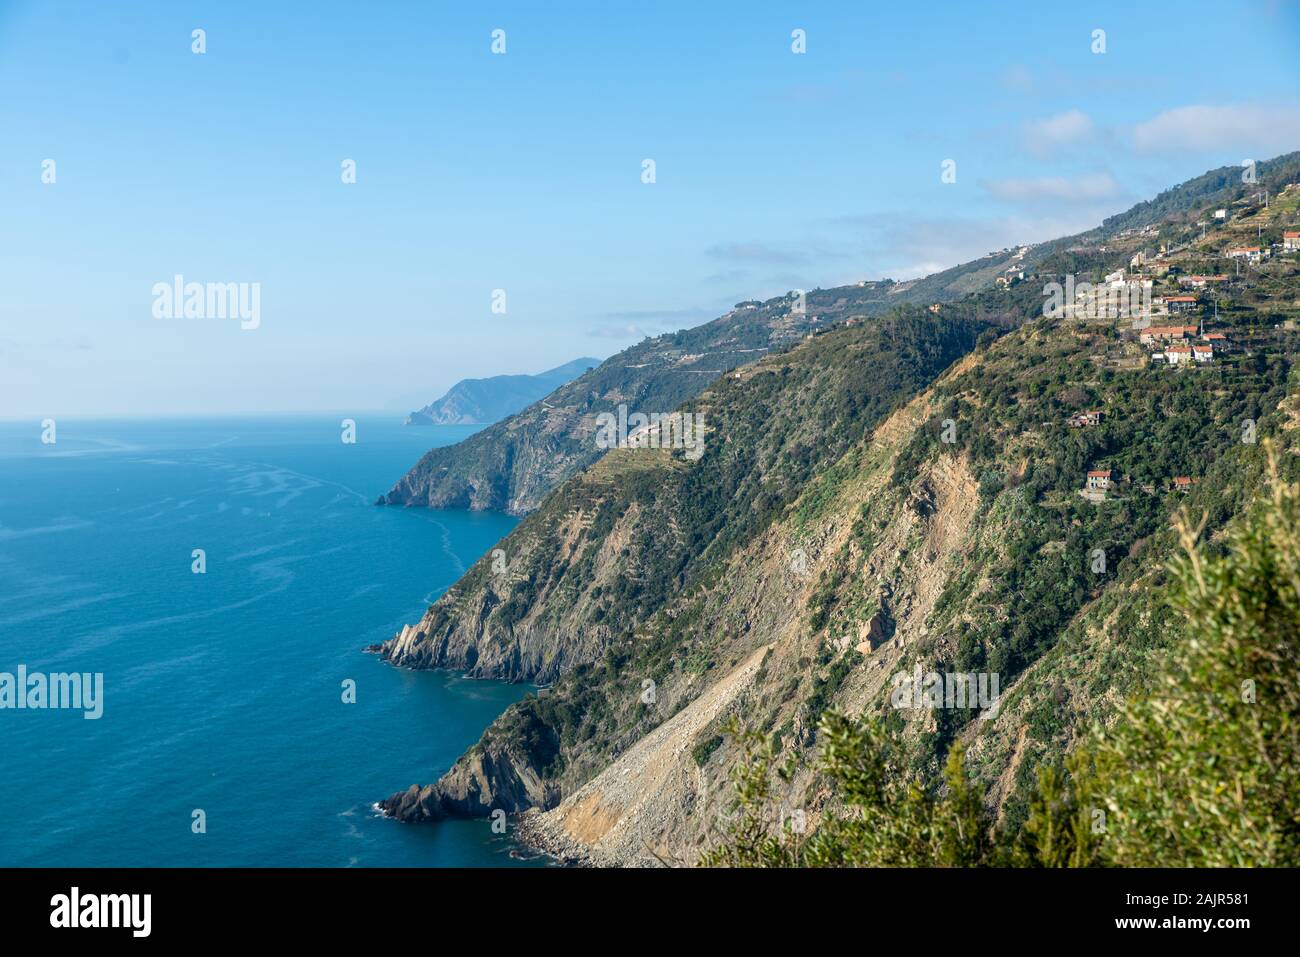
[492, 777]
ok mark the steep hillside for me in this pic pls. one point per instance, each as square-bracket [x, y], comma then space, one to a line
[623, 542]
[916, 553]
[854, 518]
[620, 541]
[484, 401]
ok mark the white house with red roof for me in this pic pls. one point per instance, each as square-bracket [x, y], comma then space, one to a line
[1099, 480]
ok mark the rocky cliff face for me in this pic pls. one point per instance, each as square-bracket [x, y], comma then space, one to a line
[503, 772]
[619, 542]
[905, 551]
[665, 793]
[619, 545]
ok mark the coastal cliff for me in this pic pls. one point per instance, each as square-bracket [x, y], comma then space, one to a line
[504, 771]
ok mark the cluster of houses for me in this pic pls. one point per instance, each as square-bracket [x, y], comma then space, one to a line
[1100, 481]
[1254, 254]
[1124, 296]
[1172, 343]
[1183, 344]
[1014, 271]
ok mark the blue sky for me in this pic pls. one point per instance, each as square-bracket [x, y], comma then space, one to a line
[522, 172]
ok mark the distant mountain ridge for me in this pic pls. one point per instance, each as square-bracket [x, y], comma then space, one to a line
[513, 464]
[484, 401]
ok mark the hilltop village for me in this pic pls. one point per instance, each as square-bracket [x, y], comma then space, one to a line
[1196, 298]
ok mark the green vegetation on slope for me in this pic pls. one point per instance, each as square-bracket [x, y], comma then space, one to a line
[980, 555]
[1201, 770]
[1009, 416]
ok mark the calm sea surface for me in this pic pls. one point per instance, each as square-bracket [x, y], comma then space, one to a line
[223, 690]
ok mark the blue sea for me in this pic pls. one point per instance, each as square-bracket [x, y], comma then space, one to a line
[223, 691]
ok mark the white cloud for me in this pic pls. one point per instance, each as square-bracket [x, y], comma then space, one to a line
[1044, 137]
[1240, 129]
[1087, 188]
[919, 270]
